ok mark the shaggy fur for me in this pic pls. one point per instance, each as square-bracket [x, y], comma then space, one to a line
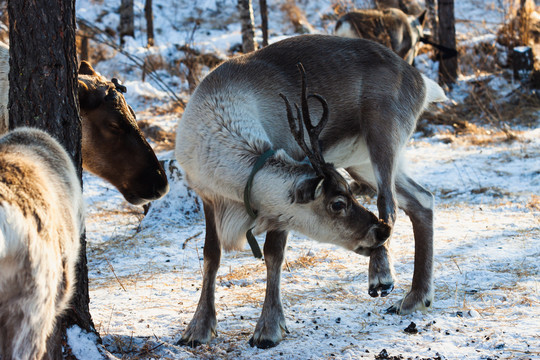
[41, 219]
[113, 146]
[236, 114]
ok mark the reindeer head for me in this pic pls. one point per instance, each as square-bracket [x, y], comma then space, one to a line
[327, 192]
[113, 146]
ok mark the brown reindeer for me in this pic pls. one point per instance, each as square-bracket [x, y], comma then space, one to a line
[409, 7]
[390, 27]
[244, 148]
[113, 146]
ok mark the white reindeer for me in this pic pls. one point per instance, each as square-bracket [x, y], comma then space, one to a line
[368, 100]
[41, 218]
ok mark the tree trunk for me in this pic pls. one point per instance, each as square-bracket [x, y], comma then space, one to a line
[149, 23]
[432, 19]
[447, 37]
[43, 93]
[127, 18]
[248, 28]
[264, 22]
[84, 47]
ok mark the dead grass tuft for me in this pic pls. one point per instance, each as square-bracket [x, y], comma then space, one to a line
[534, 203]
[164, 140]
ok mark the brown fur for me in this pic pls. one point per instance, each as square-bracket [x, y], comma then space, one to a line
[113, 146]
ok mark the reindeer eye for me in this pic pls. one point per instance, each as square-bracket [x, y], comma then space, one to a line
[338, 205]
[115, 128]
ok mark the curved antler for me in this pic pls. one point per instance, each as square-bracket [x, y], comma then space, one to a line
[303, 119]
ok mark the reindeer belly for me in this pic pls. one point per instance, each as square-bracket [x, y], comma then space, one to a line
[352, 154]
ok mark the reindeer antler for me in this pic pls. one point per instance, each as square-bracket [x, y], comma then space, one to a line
[297, 128]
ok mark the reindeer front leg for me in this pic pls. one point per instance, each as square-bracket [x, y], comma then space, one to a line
[203, 325]
[383, 158]
[271, 325]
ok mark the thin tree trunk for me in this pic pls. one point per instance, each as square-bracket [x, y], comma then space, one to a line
[127, 20]
[149, 23]
[264, 22]
[43, 94]
[433, 22]
[84, 47]
[447, 37]
[248, 28]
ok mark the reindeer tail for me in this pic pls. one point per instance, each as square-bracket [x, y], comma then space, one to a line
[434, 93]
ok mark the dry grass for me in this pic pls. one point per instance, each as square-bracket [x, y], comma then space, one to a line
[534, 203]
[164, 140]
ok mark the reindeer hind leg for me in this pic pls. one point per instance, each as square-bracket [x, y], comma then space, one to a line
[417, 202]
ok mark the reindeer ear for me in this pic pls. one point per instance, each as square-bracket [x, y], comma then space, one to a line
[307, 190]
[84, 95]
[86, 68]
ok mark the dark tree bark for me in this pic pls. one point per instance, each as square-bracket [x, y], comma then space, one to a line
[447, 37]
[127, 20]
[43, 94]
[264, 22]
[149, 23]
[248, 28]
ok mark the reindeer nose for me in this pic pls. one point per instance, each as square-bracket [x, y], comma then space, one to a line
[160, 185]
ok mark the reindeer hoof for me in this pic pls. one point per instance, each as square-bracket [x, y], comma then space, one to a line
[187, 342]
[262, 344]
[384, 288]
[410, 303]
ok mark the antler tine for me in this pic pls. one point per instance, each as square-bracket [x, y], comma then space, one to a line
[296, 129]
[313, 131]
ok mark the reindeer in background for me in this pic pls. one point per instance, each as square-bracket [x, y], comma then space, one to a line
[391, 27]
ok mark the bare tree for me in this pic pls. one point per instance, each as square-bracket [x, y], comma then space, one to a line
[149, 15]
[448, 67]
[432, 19]
[248, 28]
[127, 18]
[264, 22]
[43, 94]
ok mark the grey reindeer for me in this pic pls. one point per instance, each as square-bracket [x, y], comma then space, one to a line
[369, 100]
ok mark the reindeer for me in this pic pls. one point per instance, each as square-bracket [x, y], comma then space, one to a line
[234, 143]
[409, 7]
[390, 27]
[113, 146]
[41, 219]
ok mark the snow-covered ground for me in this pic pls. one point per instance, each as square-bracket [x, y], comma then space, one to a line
[145, 272]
